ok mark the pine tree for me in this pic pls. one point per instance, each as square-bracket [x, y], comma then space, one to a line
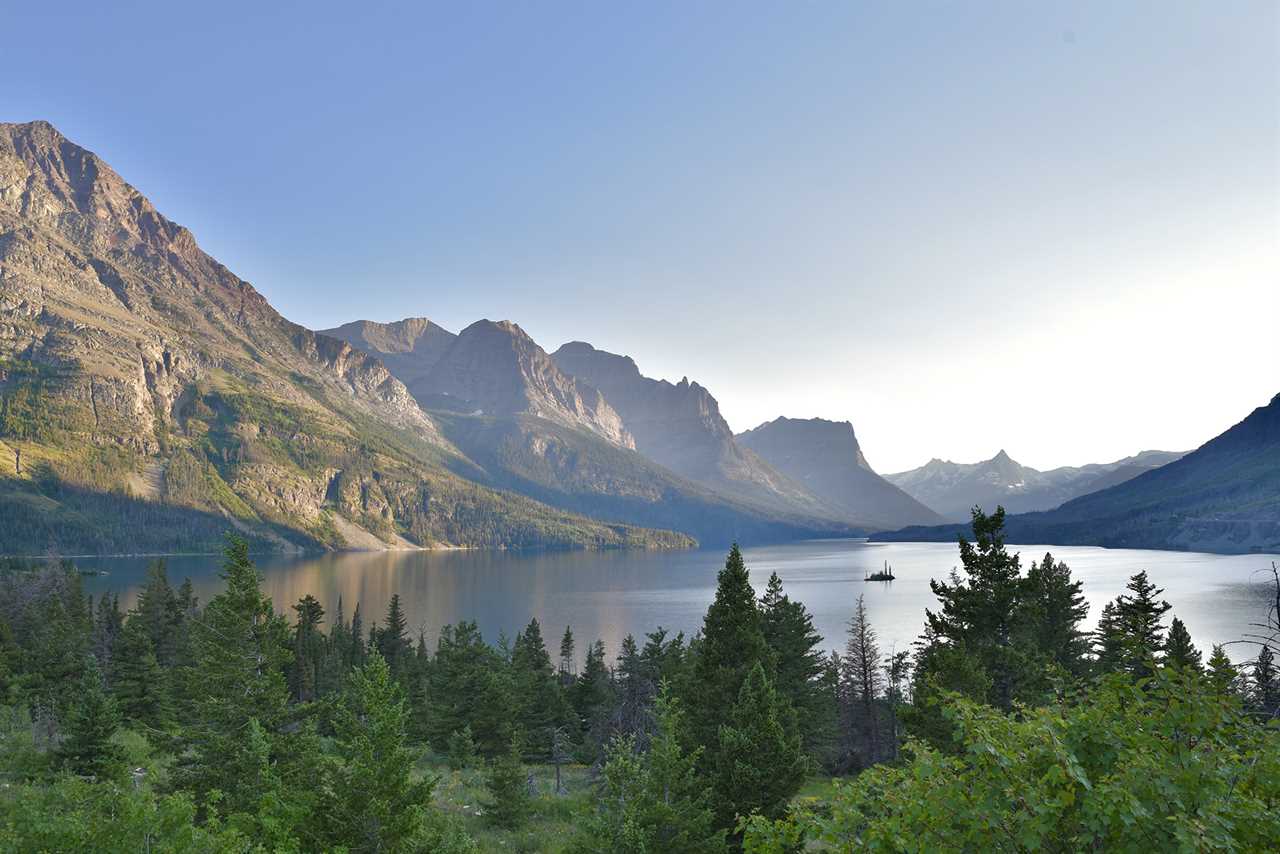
[1108, 641]
[509, 802]
[371, 801]
[568, 661]
[1223, 675]
[107, 625]
[1264, 693]
[393, 638]
[538, 696]
[1178, 649]
[462, 749]
[980, 611]
[731, 645]
[87, 748]
[308, 649]
[862, 680]
[652, 801]
[160, 612]
[1052, 608]
[137, 680]
[759, 762]
[592, 693]
[236, 686]
[1138, 617]
[797, 647]
[896, 671]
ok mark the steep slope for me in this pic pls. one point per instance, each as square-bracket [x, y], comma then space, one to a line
[825, 457]
[152, 399]
[497, 369]
[1222, 497]
[679, 426]
[531, 428]
[953, 489]
[409, 348]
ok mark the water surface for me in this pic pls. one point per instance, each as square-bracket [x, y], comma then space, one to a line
[611, 594]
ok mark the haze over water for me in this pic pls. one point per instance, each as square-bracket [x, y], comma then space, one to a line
[611, 594]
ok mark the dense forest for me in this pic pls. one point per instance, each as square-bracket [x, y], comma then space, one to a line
[231, 726]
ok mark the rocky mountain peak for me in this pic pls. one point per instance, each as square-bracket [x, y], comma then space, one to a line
[495, 368]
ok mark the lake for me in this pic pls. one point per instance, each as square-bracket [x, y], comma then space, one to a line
[611, 594]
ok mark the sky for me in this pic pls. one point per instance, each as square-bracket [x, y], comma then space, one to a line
[1052, 228]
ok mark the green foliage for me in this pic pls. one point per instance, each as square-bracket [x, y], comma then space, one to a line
[371, 802]
[758, 762]
[462, 749]
[1164, 766]
[1130, 636]
[107, 818]
[732, 644]
[509, 802]
[652, 801]
[87, 747]
[137, 680]
[797, 648]
[1178, 649]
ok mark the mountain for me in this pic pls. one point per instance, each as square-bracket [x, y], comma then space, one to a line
[534, 428]
[824, 456]
[409, 348]
[1222, 497]
[680, 427]
[953, 489]
[150, 398]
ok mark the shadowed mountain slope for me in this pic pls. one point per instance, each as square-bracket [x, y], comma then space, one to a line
[1222, 497]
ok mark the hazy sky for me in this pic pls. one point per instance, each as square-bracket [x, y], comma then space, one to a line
[1048, 227]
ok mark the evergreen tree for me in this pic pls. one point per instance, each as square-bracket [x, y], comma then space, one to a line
[896, 672]
[137, 680]
[1052, 608]
[87, 748]
[462, 749]
[862, 680]
[1264, 693]
[731, 645]
[308, 649]
[568, 662]
[236, 687]
[160, 612]
[797, 647]
[393, 638]
[371, 801]
[1108, 641]
[468, 685]
[1223, 675]
[592, 694]
[1178, 649]
[759, 762]
[651, 801]
[632, 714]
[1138, 633]
[107, 625]
[980, 611]
[538, 695]
[509, 802]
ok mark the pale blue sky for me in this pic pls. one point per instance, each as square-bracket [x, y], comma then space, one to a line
[1048, 227]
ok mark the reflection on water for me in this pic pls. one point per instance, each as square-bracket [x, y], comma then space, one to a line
[611, 594]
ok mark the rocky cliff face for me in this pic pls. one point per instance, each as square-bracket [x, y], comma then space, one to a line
[953, 489]
[409, 348]
[139, 378]
[826, 458]
[497, 369]
[680, 426]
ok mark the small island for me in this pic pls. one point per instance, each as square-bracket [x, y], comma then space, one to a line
[885, 574]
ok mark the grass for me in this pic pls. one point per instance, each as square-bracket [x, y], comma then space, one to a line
[554, 819]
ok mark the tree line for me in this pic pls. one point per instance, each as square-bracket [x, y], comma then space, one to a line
[306, 732]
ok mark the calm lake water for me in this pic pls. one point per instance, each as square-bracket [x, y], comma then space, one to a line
[611, 594]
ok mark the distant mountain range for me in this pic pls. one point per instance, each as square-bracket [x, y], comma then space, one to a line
[150, 399]
[1222, 497]
[953, 489]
